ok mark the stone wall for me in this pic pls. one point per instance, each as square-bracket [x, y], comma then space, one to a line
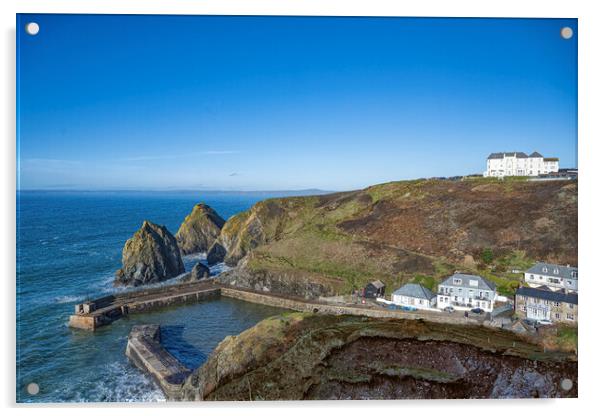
[144, 349]
[303, 306]
[190, 297]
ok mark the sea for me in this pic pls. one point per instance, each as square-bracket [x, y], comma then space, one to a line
[68, 249]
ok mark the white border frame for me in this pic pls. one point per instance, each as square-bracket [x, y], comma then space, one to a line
[590, 68]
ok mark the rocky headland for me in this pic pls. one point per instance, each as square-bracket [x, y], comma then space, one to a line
[310, 356]
[151, 255]
[410, 231]
[199, 230]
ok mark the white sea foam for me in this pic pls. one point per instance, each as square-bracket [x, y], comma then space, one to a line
[195, 257]
[115, 382]
[68, 299]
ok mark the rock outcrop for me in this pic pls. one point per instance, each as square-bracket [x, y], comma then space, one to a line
[199, 230]
[151, 255]
[216, 254]
[198, 272]
[309, 356]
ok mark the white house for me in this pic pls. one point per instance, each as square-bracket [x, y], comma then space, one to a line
[553, 276]
[414, 295]
[466, 291]
[519, 164]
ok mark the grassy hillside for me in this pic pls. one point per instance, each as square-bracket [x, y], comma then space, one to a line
[417, 231]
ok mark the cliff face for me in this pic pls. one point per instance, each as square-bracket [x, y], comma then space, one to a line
[403, 231]
[301, 356]
[150, 256]
[199, 230]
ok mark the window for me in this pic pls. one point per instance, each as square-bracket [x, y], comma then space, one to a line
[571, 305]
[555, 271]
[570, 316]
[524, 308]
[557, 316]
[457, 281]
[545, 270]
[574, 273]
[474, 283]
[556, 303]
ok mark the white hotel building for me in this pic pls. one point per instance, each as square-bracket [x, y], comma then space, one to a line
[519, 164]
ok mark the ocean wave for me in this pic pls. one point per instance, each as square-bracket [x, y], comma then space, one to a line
[195, 257]
[115, 382]
[68, 299]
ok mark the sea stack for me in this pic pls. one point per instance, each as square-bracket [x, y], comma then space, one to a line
[199, 272]
[199, 230]
[216, 254]
[151, 255]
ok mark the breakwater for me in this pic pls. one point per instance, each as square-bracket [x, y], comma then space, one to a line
[93, 314]
[144, 349]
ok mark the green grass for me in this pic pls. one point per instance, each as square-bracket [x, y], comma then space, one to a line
[427, 281]
[567, 337]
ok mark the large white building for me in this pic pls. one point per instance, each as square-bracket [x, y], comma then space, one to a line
[519, 164]
[466, 291]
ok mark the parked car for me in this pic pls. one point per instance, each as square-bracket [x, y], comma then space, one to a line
[408, 308]
[478, 311]
[449, 309]
[544, 322]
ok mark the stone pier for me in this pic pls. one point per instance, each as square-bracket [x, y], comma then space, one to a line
[93, 314]
[144, 349]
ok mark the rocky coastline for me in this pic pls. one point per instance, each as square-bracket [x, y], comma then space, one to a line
[302, 356]
[320, 246]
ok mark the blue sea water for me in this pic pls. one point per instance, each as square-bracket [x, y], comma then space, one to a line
[68, 248]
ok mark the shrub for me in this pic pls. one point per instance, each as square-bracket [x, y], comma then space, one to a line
[487, 256]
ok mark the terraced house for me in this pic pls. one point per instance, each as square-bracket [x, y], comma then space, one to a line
[466, 291]
[544, 304]
[552, 276]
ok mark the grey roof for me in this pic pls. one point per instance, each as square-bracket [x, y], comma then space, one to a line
[415, 290]
[558, 296]
[377, 284]
[535, 154]
[500, 155]
[565, 272]
[484, 284]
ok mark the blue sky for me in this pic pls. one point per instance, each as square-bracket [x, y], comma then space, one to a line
[265, 103]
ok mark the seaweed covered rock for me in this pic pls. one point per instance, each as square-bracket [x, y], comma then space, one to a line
[151, 255]
[199, 229]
